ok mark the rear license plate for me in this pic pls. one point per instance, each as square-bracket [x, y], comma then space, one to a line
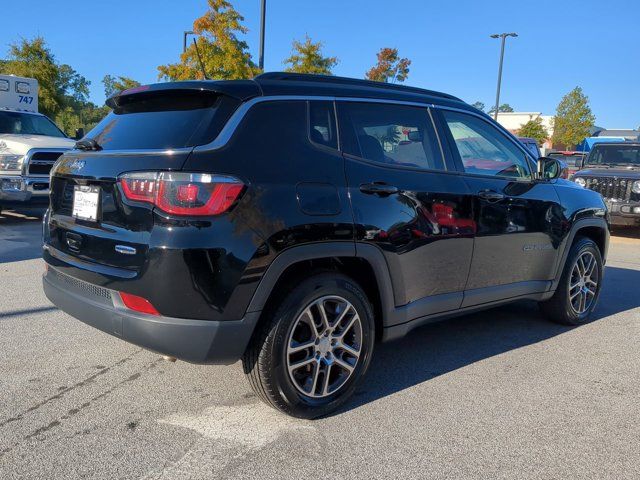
[85, 202]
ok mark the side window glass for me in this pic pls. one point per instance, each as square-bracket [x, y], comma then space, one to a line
[322, 124]
[394, 135]
[483, 149]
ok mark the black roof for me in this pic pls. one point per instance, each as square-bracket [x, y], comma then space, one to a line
[286, 83]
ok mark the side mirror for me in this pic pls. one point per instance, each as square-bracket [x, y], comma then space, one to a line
[551, 168]
[79, 134]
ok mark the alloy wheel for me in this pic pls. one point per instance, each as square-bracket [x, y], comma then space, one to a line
[583, 284]
[324, 346]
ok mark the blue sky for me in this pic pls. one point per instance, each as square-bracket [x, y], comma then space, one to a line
[562, 43]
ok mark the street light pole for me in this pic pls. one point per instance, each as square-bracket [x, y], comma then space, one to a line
[502, 36]
[263, 12]
[184, 40]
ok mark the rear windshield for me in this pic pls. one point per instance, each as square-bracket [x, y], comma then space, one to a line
[17, 123]
[167, 121]
[615, 155]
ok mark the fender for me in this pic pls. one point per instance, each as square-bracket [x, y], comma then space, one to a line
[585, 222]
[313, 251]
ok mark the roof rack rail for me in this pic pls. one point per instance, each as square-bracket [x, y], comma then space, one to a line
[306, 77]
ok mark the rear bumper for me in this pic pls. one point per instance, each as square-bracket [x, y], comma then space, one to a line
[195, 341]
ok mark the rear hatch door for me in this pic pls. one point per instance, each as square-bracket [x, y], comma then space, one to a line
[90, 219]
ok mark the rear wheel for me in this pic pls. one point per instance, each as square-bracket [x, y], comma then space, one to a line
[313, 348]
[579, 287]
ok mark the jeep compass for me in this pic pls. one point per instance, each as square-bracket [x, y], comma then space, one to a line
[292, 221]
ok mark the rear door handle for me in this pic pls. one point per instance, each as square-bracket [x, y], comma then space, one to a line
[491, 195]
[378, 188]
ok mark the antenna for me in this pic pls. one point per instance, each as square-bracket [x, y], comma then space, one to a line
[204, 72]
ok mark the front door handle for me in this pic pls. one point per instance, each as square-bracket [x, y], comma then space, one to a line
[491, 195]
[378, 188]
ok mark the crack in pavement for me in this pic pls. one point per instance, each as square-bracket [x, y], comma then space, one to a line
[74, 411]
[66, 390]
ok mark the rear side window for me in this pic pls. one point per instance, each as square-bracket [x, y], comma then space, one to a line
[164, 121]
[395, 135]
[483, 149]
[322, 124]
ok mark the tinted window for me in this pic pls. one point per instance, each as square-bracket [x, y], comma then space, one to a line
[17, 123]
[395, 135]
[322, 124]
[168, 121]
[615, 155]
[483, 149]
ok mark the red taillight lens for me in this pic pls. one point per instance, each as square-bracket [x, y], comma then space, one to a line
[180, 193]
[138, 304]
[140, 187]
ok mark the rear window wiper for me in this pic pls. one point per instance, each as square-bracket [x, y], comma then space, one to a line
[88, 144]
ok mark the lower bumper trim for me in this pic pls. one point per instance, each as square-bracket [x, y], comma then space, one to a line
[195, 341]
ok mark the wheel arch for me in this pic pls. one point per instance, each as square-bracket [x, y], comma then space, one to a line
[595, 229]
[364, 263]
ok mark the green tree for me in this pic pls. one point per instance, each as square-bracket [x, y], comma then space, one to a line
[223, 54]
[504, 108]
[59, 84]
[534, 129]
[573, 119]
[479, 105]
[113, 85]
[306, 57]
[390, 67]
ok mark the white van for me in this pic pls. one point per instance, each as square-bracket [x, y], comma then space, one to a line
[30, 143]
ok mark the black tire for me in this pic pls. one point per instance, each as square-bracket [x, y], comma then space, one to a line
[559, 308]
[265, 361]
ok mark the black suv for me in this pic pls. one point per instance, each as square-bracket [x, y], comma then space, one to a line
[291, 221]
[613, 170]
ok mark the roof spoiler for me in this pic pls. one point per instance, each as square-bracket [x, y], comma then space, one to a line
[239, 89]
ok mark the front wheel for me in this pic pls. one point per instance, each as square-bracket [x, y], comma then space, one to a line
[315, 346]
[579, 287]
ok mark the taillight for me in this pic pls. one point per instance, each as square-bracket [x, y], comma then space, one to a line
[181, 193]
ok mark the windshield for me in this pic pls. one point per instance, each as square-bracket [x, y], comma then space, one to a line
[615, 155]
[18, 123]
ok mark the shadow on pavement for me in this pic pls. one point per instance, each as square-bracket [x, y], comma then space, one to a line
[439, 348]
[21, 234]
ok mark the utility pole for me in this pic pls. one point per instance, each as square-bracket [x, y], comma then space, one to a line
[502, 36]
[184, 40]
[263, 12]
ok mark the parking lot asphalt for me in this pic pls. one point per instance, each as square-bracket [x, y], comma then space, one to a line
[498, 394]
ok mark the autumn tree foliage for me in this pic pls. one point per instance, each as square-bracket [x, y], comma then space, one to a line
[534, 129]
[307, 57]
[390, 67]
[113, 85]
[573, 119]
[223, 54]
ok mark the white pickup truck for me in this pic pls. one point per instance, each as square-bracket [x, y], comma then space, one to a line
[30, 143]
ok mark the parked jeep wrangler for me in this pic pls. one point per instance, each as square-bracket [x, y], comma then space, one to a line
[613, 170]
[292, 221]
